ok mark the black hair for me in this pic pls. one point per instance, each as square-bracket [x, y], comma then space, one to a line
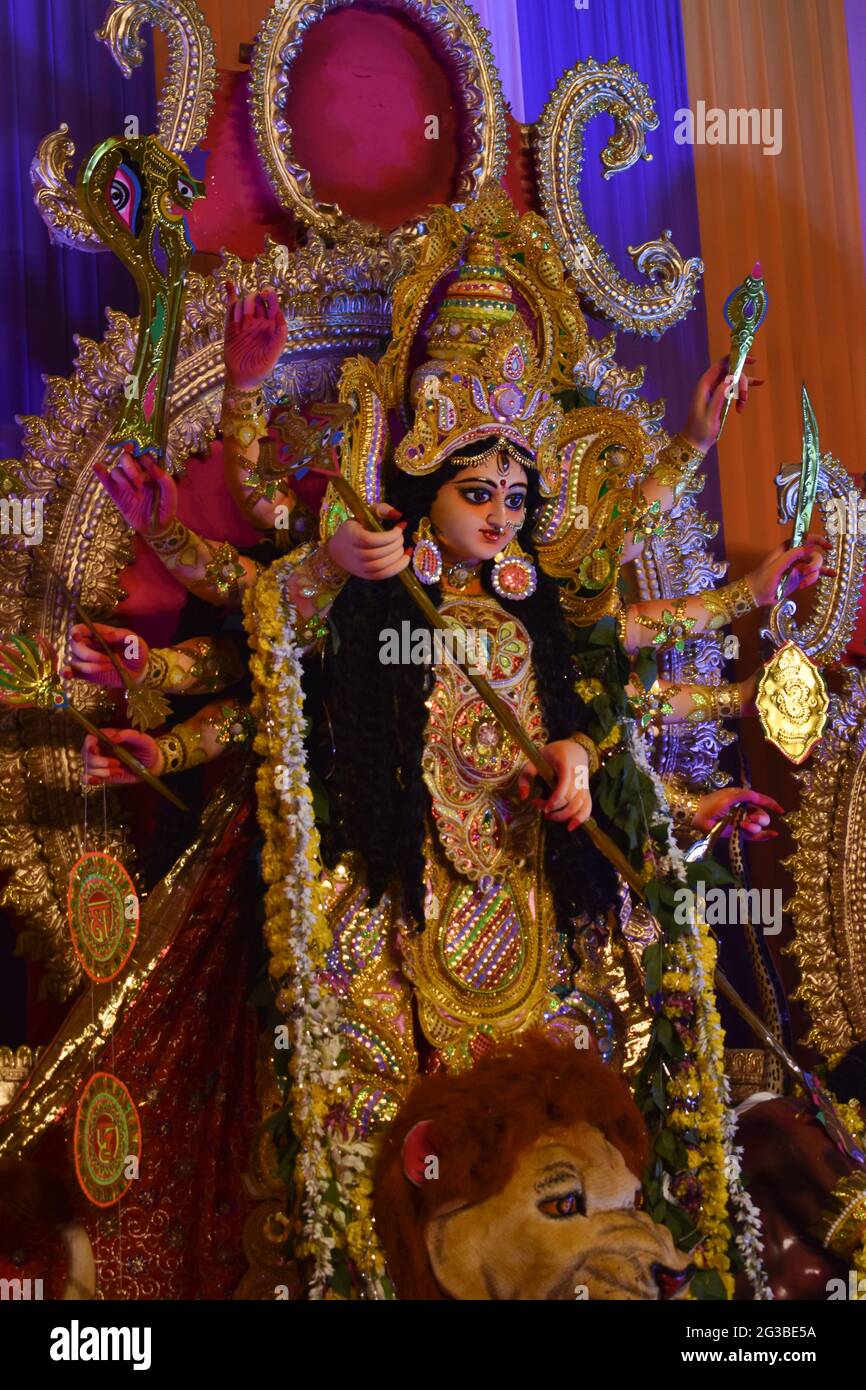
[380, 803]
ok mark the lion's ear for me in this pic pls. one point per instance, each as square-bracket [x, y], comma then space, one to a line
[418, 1151]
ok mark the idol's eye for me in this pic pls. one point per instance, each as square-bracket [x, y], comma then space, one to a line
[119, 194]
[515, 501]
[476, 496]
[567, 1204]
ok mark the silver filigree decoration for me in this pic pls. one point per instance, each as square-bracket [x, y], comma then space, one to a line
[826, 632]
[585, 91]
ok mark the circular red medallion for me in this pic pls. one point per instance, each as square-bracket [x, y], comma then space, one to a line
[102, 907]
[107, 1140]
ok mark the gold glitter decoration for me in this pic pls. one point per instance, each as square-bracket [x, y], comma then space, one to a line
[792, 702]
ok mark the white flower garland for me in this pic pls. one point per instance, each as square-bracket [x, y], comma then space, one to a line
[328, 1166]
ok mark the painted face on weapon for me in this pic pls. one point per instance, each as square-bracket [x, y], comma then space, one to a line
[125, 196]
[481, 507]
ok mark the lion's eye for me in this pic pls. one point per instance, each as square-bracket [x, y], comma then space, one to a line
[568, 1204]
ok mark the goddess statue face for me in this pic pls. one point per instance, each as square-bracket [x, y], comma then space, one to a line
[479, 509]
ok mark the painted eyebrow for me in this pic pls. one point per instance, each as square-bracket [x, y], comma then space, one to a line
[489, 482]
[556, 1173]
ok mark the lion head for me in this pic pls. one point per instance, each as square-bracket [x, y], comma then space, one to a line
[520, 1180]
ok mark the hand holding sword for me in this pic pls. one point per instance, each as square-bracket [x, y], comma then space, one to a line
[745, 310]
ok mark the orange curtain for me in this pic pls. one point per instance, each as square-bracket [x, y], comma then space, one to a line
[232, 22]
[797, 212]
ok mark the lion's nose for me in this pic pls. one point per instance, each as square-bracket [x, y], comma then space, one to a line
[670, 1281]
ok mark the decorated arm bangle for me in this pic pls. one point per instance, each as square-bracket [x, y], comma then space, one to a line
[232, 723]
[727, 603]
[677, 465]
[683, 803]
[651, 707]
[591, 750]
[714, 702]
[243, 416]
[671, 628]
[319, 580]
[179, 548]
[208, 663]
[181, 748]
[176, 545]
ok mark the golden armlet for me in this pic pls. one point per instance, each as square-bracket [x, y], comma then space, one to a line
[172, 544]
[243, 415]
[683, 804]
[591, 749]
[212, 663]
[650, 707]
[181, 748]
[232, 723]
[671, 629]
[714, 702]
[727, 603]
[677, 464]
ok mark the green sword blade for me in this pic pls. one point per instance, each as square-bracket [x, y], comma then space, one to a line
[808, 487]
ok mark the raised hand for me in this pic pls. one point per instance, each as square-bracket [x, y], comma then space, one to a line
[99, 766]
[143, 493]
[803, 565]
[371, 554]
[708, 402]
[754, 825]
[254, 338]
[89, 662]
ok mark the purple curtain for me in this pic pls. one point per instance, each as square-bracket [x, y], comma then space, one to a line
[52, 69]
[654, 195]
[855, 20]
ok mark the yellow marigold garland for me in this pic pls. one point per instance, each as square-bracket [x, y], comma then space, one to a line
[336, 1225]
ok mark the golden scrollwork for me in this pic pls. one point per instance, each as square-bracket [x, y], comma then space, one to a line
[829, 871]
[55, 197]
[185, 105]
[87, 543]
[583, 92]
[827, 630]
[531, 262]
[455, 31]
[186, 100]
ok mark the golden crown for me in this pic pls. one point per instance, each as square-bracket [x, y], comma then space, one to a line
[483, 380]
[488, 376]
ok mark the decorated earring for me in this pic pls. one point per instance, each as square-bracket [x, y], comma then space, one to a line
[426, 556]
[513, 575]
